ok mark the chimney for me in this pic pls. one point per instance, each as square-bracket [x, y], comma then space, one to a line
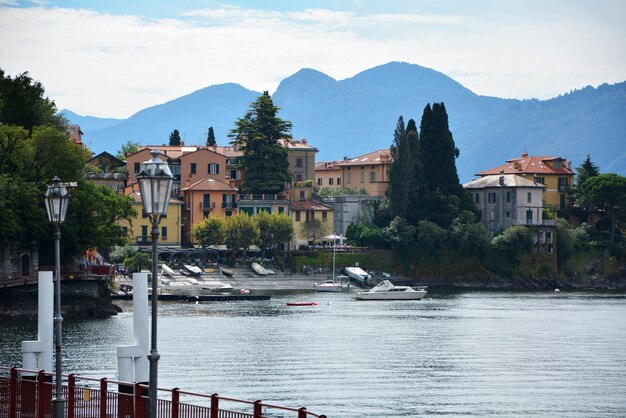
[501, 178]
[345, 158]
[569, 165]
[303, 141]
[524, 154]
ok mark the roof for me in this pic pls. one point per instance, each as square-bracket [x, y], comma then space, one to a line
[382, 156]
[135, 196]
[510, 180]
[531, 165]
[209, 184]
[308, 205]
[294, 144]
[111, 157]
[327, 166]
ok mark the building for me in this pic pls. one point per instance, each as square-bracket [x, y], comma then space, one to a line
[107, 170]
[328, 174]
[301, 158]
[366, 173]
[140, 231]
[308, 210]
[505, 200]
[555, 173]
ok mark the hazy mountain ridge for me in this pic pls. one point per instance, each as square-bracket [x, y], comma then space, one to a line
[357, 115]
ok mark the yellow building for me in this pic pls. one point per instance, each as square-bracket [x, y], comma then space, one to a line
[367, 172]
[555, 173]
[307, 210]
[141, 230]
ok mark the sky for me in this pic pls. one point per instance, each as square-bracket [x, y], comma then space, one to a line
[112, 58]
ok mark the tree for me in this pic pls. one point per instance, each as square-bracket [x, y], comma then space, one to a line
[313, 229]
[130, 147]
[401, 234]
[586, 170]
[468, 236]
[175, 138]
[606, 194]
[209, 231]
[418, 190]
[578, 204]
[241, 231]
[264, 158]
[430, 238]
[210, 140]
[22, 103]
[400, 172]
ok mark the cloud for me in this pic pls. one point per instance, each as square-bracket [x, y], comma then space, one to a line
[114, 65]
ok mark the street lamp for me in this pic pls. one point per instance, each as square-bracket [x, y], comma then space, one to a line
[57, 198]
[155, 183]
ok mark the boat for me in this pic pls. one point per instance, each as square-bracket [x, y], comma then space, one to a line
[227, 272]
[259, 269]
[358, 274]
[386, 290]
[166, 270]
[223, 288]
[332, 285]
[196, 271]
[301, 303]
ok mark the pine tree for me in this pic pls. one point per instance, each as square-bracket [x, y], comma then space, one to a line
[210, 140]
[586, 170]
[264, 158]
[175, 138]
[399, 172]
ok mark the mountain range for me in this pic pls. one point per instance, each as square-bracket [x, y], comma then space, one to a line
[351, 117]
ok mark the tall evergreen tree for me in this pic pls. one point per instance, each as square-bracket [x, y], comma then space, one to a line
[399, 172]
[175, 138]
[579, 204]
[210, 140]
[418, 191]
[264, 158]
[586, 170]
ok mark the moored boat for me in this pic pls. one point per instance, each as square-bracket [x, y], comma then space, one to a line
[196, 271]
[358, 274]
[301, 303]
[386, 290]
[167, 270]
[259, 269]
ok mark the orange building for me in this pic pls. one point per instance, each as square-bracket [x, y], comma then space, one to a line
[328, 174]
[367, 172]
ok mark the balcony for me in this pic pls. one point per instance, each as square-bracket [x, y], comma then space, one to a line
[229, 205]
[263, 197]
[207, 205]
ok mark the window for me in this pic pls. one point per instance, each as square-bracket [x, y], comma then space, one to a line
[298, 177]
[281, 210]
[372, 177]
[206, 200]
[125, 230]
[213, 168]
[508, 214]
[298, 162]
[143, 213]
[137, 168]
[529, 197]
[302, 195]
[330, 181]
[508, 197]
[234, 174]
[477, 198]
[193, 168]
[349, 178]
[491, 198]
[164, 232]
[297, 216]
[319, 181]
[338, 181]
[540, 180]
[563, 184]
[562, 202]
[324, 216]
[362, 176]
[144, 232]
[529, 217]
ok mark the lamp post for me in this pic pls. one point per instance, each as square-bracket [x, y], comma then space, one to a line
[57, 198]
[155, 183]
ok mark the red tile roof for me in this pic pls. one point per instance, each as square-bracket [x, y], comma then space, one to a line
[308, 205]
[531, 165]
[327, 166]
[210, 184]
[382, 156]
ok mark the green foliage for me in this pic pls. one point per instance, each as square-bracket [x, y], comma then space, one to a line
[401, 234]
[514, 240]
[138, 262]
[606, 195]
[430, 238]
[467, 236]
[174, 139]
[210, 231]
[313, 229]
[130, 147]
[210, 139]
[22, 103]
[241, 231]
[121, 252]
[264, 159]
[586, 170]
[274, 229]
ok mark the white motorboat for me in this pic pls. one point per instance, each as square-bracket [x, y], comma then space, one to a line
[358, 274]
[386, 290]
[166, 270]
[328, 286]
[259, 269]
[196, 271]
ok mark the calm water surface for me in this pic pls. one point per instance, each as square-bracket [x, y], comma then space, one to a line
[463, 354]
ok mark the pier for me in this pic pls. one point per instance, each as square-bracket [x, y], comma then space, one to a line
[28, 393]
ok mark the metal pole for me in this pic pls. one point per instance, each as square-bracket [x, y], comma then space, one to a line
[153, 357]
[59, 401]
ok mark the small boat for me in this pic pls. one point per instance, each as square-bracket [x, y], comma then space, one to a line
[227, 272]
[259, 269]
[358, 274]
[328, 286]
[196, 271]
[386, 290]
[166, 270]
[223, 288]
[191, 280]
[301, 303]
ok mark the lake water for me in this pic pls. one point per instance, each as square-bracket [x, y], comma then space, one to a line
[483, 354]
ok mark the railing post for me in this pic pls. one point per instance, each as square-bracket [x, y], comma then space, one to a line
[175, 402]
[103, 397]
[41, 398]
[139, 413]
[257, 411]
[215, 405]
[13, 394]
[302, 412]
[71, 395]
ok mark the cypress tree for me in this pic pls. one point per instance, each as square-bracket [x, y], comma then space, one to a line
[399, 172]
[417, 189]
[264, 158]
[175, 138]
[210, 140]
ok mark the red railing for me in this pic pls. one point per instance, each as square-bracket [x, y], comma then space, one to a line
[28, 393]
